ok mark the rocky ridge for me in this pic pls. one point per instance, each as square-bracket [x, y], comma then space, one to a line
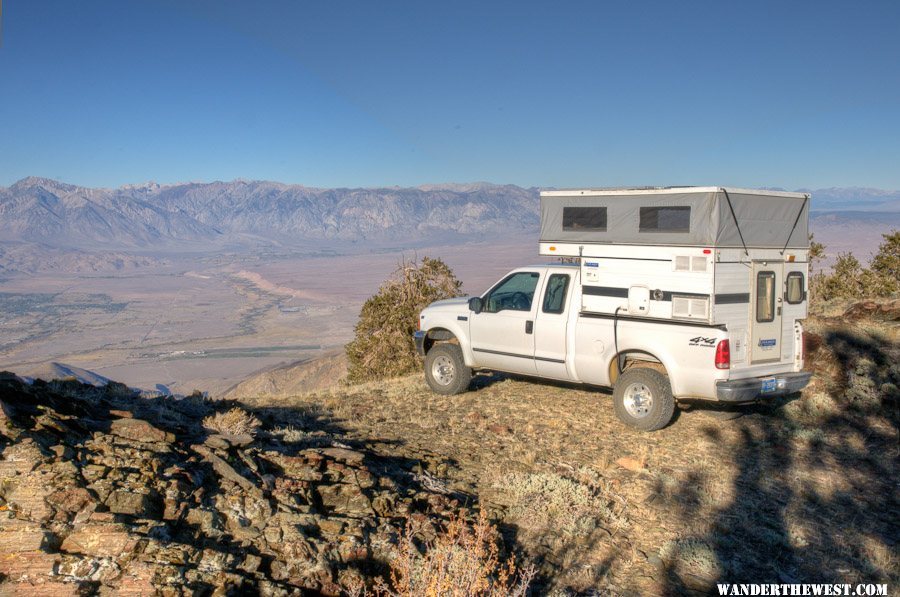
[104, 492]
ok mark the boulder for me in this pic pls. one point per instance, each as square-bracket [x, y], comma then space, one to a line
[28, 495]
[20, 536]
[344, 455]
[139, 430]
[99, 539]
[132, 503]
[27, 564]
[345, 498]
[42, 588]
[70, 500]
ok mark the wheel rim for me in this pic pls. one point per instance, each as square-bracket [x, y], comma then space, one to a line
[442, 370]
[638, 400]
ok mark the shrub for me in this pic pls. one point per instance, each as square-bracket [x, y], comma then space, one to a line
[884, 271]
[383, 344]
[233, 422]
[816, 251]
[569, 506]
[463, 561]
[844, 281]
[849, 280]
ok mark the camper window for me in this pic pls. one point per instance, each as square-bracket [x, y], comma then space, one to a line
[675, 218]
[584, 218]
[765, 297]
[795, 292]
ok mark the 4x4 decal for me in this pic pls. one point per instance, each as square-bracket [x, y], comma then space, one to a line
[702, 341]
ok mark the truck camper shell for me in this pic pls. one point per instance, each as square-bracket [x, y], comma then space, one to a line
[714, 217]
[714, 256]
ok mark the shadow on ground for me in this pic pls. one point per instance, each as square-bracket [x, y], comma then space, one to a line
[815, 497]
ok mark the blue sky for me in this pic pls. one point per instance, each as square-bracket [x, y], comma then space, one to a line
[336, 93]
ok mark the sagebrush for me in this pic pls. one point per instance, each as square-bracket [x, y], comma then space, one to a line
[236, 421]
[462, 561]
[383, 343]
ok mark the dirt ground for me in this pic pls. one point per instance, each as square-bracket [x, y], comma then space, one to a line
[805, 490]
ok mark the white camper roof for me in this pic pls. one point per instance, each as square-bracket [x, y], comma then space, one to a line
[694, 216]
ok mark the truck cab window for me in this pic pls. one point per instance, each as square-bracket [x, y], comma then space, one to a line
[515, 293]
[555, 296]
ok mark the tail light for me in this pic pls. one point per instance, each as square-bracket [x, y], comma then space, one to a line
[419, 323]
[723, 355]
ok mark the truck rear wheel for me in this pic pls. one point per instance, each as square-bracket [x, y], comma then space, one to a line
[446, 371]
[643, 399]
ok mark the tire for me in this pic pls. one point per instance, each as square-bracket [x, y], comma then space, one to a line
[643, 399]
[446, 371]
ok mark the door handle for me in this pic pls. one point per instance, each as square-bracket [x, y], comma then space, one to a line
[529, 327]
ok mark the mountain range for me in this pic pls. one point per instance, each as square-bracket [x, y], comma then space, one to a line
[60, 215]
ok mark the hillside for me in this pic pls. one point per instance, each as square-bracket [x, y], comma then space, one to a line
[303, 377]
[768, 496]
[103, 491]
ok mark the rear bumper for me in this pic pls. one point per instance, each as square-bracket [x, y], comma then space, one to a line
[748, 390]
[419, 337]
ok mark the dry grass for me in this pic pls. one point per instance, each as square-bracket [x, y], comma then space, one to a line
[462, 561]
[236, 421]
[549, 502]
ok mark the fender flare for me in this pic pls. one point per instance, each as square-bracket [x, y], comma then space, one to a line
[443, 333]
[666, 360]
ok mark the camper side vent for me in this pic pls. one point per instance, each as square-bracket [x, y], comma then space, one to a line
[690, 308]
[685, 263]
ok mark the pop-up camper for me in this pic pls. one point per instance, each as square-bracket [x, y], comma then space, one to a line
[689, 293]
[731, 257]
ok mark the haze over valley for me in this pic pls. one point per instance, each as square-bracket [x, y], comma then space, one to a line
[199, 285]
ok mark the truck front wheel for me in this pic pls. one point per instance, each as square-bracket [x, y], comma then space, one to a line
[446, 371]
[643, 399]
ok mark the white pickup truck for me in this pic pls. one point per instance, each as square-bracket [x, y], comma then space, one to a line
[532, 323]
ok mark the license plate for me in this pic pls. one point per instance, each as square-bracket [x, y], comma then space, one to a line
[769, 385]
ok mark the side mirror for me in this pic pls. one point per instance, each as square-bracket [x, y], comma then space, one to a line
[475, 305]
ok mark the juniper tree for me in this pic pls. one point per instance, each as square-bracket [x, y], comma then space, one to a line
[383, 344]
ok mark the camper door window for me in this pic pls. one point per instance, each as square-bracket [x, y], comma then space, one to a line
[765, 297]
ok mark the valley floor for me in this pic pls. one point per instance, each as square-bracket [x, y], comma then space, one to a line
[209, 321]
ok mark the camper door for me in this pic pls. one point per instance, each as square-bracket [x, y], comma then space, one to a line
[766, 311]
